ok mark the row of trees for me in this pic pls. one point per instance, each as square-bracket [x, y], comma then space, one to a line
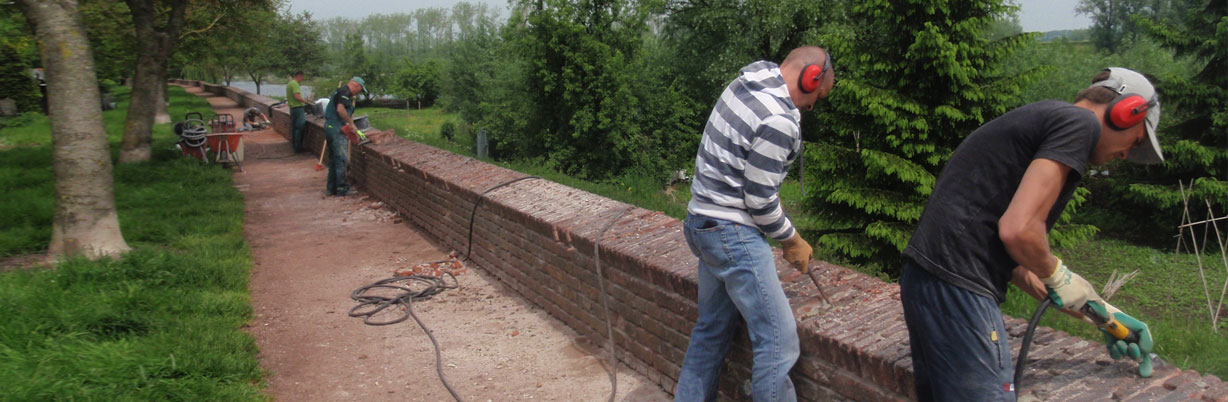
[130, 41]
[600, 89]
[603, 88]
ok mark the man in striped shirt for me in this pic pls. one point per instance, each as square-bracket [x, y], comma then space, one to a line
[751, 138]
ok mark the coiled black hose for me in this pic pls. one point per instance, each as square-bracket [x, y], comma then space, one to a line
[369, 305]
[192, 132]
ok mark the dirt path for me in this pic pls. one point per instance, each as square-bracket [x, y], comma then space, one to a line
[310, 251]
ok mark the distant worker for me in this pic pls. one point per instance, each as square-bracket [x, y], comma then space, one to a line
[254, 119]
[752, 136]
[298, 112]
[337, 115]
[986, 224]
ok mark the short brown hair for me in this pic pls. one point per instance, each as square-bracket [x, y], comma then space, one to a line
[1097, 94]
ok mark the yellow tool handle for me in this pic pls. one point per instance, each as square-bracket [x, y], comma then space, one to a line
[1116, 329]
[1110, 324]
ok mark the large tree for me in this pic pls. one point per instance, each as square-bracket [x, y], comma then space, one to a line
[914, 79]
[155, 42]
[595, 107]
[1115, 23]
[85, 220]
[712, 39]
[159, 26]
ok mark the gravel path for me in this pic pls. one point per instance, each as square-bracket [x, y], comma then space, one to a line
[310, 251]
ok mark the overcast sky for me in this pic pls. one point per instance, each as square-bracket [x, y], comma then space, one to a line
[1036, 15]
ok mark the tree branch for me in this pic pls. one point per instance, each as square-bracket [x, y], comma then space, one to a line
[202, 30]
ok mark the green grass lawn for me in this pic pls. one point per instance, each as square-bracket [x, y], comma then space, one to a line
[1167, 294]
[161, 323]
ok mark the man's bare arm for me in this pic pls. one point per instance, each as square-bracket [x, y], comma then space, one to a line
[344, 114]
[1022, 227]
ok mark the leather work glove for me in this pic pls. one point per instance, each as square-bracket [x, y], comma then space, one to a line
[1138, 351]
[1067, 289]
[797, 252]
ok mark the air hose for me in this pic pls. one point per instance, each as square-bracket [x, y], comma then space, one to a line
[605, 304]
[1027, 342]
[370, 305]
[192, 132]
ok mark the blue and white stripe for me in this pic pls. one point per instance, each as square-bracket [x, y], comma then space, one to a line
[751, 138]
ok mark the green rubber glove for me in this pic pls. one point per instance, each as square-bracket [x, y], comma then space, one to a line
[1067, 289]
[1141, 351]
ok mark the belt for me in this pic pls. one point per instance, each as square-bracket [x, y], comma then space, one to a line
[296, 107]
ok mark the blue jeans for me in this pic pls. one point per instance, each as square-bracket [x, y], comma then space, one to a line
[337, 159]
[298, 121]
[737, 279]
[960, 349]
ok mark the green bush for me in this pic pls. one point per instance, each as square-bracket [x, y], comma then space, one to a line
[590, 104]
[448, 130]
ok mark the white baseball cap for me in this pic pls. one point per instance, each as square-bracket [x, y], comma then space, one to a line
[1126, 81]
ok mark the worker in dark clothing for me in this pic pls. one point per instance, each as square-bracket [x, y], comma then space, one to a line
[986, 224]
[338, 115]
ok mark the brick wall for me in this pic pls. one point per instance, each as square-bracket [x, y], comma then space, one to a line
[537, 237]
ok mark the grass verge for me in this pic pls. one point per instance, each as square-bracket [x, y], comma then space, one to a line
[163, 322]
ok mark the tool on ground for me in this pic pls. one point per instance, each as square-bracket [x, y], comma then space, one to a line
[320, 164]
[192, 137]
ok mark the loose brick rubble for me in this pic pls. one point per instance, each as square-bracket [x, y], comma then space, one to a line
[538, 236]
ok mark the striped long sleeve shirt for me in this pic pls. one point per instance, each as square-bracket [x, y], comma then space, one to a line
[751, 138]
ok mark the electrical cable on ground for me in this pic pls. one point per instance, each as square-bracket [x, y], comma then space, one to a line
[605, 303]
[370, 305]
[1027, 342]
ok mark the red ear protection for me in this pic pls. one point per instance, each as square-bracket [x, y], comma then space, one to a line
[1127, 111]
[812, 76]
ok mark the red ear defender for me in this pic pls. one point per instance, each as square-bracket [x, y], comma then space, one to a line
[1127, 111]
[812, 76]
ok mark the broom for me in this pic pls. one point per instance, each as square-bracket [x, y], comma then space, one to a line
[320, 164]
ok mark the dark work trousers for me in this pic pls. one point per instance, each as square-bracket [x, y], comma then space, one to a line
[337, 159]
[960, 350]
[298, 123]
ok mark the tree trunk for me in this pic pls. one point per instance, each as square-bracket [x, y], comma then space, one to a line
[138, 128]
[161, 116]
[85, 221]
[147, 104]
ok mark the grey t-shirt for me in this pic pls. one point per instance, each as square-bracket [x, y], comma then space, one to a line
[957, 237]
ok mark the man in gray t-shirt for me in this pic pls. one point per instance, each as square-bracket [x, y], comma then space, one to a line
[987, 222]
